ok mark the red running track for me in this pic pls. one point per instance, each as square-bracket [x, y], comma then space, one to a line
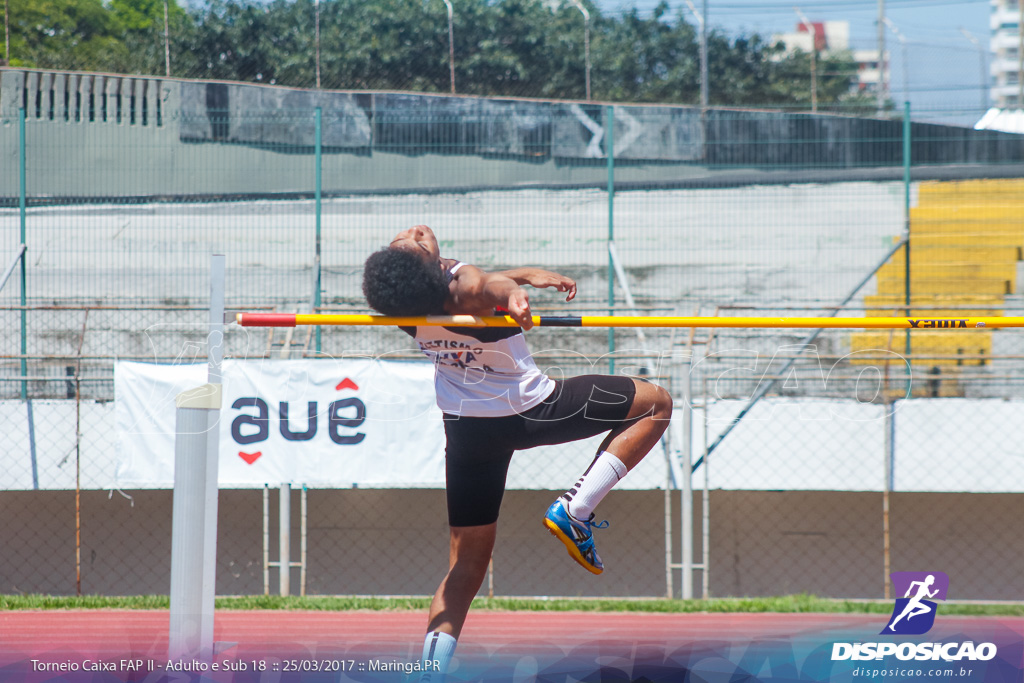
[113, 635]
[138, 632]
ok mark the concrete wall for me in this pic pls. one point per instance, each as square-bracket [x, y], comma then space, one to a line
[121, 137]
[395, 543]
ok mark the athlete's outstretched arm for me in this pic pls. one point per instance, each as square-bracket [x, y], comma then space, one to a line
[475, 292]
[540, 278]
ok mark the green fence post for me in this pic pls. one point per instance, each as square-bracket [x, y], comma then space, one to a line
[24, 274]
[319, 178]
[609, 123]
[906, 220]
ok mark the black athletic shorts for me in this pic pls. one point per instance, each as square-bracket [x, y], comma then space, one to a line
[479, 449]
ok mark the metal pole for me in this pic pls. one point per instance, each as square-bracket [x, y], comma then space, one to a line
[667, 499]
[167, 42]
[451, 43]
[33, 455]
[194, 512]
[188, 519]
[686, 497]
[703, 69]
[215, 359]
[705, 504]
[284, 513]
[906, 219]
[609, 129]
[317, 41]
[266, 540]
[215, 353]
[880, 92]
[705, 85]
[586, 49]
[304, 512]
[22, 201]
[586, 42]
[889, 441]
[78, 474]
[814, 58]
[10, 269]
[78, 456]
[319, 213]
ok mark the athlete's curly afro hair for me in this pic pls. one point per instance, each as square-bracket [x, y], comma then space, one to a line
[399, 282]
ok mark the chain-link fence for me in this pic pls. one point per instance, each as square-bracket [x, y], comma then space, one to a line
[124, 187]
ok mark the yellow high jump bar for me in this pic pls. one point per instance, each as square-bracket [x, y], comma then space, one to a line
[301, 319]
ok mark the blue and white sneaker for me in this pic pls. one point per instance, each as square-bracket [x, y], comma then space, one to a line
[575, 534]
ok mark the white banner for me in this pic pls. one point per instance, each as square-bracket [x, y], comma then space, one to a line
[783, 444]
[339, 423]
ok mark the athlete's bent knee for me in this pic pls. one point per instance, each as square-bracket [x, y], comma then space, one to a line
[662, 409]
[651, 401]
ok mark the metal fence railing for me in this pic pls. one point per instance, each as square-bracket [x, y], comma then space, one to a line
[822, 496]
[124, 187]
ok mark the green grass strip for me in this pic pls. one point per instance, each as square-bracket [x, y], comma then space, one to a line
[781, 604]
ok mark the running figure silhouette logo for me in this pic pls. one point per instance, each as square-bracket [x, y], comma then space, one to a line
[914, 613]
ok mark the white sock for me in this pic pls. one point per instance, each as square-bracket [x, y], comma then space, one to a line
[438, 649]
[604, 472]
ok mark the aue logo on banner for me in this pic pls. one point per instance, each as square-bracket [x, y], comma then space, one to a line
[324, 423]
[912, 615]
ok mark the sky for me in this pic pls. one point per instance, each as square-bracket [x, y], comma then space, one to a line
[942, 67]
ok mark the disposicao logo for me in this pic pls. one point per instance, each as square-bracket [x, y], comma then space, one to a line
[914, 614]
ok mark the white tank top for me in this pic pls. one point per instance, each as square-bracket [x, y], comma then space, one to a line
[482, 371]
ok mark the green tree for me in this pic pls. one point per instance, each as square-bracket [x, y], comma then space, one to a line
[530, 48]
[125, 36]
[524, 49]
[742, 72]
[140, 24]
[648, 59]
[63, 34]
[234, 41]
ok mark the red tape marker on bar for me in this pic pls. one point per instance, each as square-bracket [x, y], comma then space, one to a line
[267, 319]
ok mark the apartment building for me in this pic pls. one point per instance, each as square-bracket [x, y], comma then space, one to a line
[1005, 52]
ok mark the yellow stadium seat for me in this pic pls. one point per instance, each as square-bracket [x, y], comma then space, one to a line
[955, 348]
[964, 273]
[971, 191]
[966, 239]
[944, 285]
[939, 251]
[938, 306]
[918, 240]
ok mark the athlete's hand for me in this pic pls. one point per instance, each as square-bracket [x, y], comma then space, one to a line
[556, 281]
[519, 308]
[566, 284]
